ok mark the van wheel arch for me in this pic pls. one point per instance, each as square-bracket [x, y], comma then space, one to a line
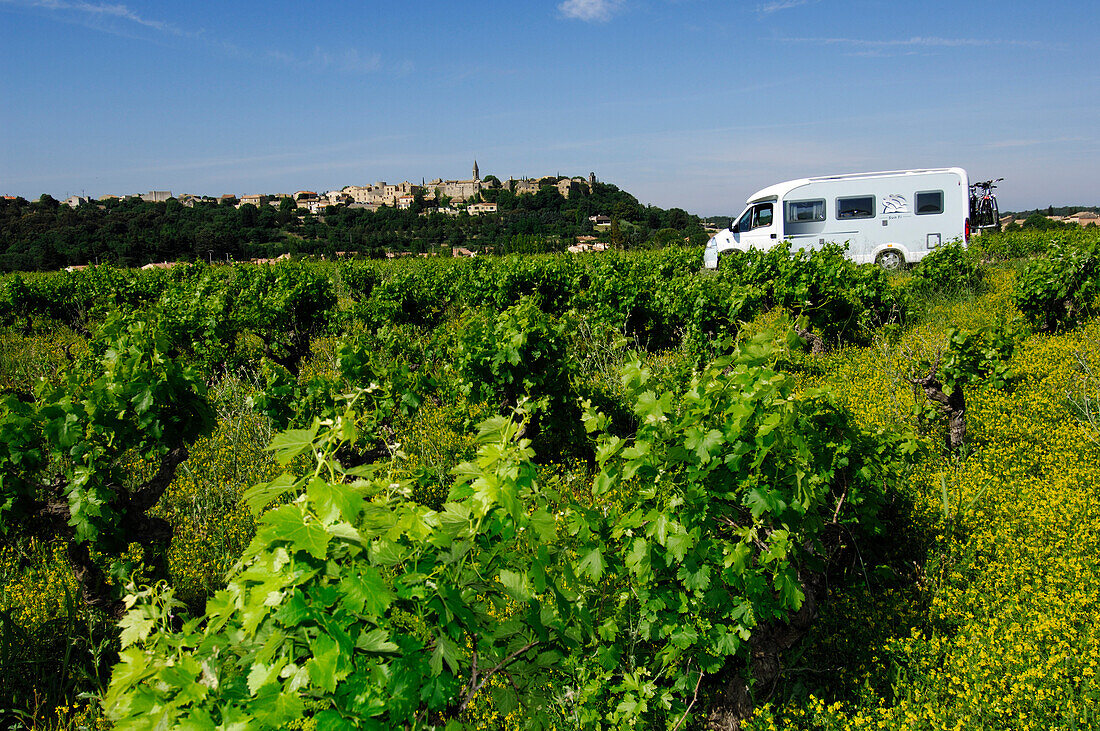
[891, 259]
[730, 253]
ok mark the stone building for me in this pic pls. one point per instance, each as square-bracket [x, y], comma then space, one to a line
[531, 185]
[380, 193]
[476, 209]
[456, 189]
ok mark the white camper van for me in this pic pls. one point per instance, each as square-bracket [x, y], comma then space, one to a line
[892, 218]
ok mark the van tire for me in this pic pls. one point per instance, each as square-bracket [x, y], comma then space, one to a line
[891, 260]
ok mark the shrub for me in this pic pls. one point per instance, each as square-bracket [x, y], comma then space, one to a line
[414, 294]
[1060, 290]
[620, 294]
[285, 306]
[359, 278]
[695, 310]
[841, 299]
[522, 353]
[196, 314]
[947, 270]
[66, 458]
[1013, 243]
[551, 281]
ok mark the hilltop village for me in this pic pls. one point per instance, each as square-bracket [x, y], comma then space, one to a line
[437, 217]
[445, 196]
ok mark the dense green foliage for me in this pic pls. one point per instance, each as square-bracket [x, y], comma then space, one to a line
[840, 299]
[520, 354]
[656, 298]
[66, 451]
[44, 234]
[994, 246]
[975, 355]
[78, 299]
[206, 311]
[1060, 290]
[373, 611]
[947, 271]
[416, 564]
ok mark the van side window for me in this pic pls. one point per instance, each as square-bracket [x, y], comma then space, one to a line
[929, 201]
[805, 211]
[762, 215]
[855, 207]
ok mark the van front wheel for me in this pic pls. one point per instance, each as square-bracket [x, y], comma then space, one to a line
[891, 260]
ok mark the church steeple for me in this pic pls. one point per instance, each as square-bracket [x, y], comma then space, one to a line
[476, 175]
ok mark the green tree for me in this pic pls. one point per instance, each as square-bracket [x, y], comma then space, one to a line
[249, 215]
[618, 240]
[48, 202]
[678, 218]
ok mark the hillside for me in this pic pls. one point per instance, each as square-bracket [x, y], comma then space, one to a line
[45, 235]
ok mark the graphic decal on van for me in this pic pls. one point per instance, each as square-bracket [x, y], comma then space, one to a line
[895, 203]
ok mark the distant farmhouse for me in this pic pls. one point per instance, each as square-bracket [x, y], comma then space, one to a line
[1083, 218]
[1080, 218]
[476, 209]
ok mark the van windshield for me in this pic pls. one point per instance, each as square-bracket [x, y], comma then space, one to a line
[745, 222]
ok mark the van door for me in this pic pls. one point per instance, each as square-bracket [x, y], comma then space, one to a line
[804, 222]
[758, 227]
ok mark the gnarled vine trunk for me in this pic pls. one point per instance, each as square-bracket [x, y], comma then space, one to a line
[814, 342]
[732, 697]
[50, 519]
[953, 405]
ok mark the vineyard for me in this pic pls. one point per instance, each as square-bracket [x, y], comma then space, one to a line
[556, 492]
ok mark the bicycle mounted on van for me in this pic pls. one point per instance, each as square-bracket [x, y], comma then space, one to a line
[983, 205]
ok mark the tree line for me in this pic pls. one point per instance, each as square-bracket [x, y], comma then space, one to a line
[45, 234]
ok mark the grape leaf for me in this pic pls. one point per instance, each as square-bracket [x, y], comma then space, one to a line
[288, 523]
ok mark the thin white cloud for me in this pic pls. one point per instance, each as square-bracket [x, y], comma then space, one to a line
[916, 42]
[96, 11]
[590, 10]
[348, 61]
[775, 5]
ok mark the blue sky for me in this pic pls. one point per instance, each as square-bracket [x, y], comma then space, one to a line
[689, 103]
